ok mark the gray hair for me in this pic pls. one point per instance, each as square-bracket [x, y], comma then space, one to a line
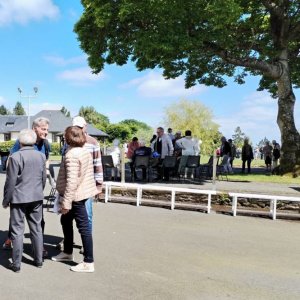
[27, 137]
[142, 143]
[38, 122]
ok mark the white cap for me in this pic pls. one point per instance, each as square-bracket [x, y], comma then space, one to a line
[79, 121]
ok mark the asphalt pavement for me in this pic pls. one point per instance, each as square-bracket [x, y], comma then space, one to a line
[156, 253]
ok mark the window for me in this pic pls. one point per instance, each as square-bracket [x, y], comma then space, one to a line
[7, 137]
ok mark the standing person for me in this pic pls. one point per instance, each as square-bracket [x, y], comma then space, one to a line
[115, 153]
[267, 152]
[40, 126]
[171, 135]
[92, 146]
[275, 154]
[247, 155]
[225, 152]
[233, 152]
[189, 146]
[164, 147]
[75, 184]
[23, 192]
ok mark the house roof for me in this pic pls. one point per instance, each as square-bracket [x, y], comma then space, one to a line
[58, 122]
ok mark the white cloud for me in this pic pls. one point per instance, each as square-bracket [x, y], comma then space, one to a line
[155, 85]
[62, 62]
[80, 76]
[23, 11]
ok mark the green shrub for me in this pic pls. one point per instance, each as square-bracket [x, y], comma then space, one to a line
[55, 149]
[6, 146]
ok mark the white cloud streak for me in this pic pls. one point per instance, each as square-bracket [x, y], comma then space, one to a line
[80, 76]
[154, 85]
[62, 62]
[24, 11]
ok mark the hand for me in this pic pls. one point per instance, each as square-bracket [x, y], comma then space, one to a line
[5, 206]
[98, 197]
[64, 211]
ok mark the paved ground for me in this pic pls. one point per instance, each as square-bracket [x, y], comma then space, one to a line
[155, 253]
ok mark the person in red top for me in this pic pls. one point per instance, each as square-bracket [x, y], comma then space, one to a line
[132, 146]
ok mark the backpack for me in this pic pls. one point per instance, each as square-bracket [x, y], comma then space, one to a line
[276, 153]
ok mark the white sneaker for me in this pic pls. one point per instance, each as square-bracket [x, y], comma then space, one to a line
[84, 267]
[62, 256]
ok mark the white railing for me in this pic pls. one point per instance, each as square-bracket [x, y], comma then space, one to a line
[140, 188]
[272, 198]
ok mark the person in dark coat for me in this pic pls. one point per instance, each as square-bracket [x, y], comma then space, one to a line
[23, 193]
[247, 156]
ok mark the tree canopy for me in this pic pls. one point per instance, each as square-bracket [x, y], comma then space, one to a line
[4, 110]
[65, 112]
[206, 41]
[238, 137]
[195, 116]
[19, 109]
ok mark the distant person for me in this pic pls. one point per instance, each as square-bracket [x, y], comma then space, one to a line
[247, 155]
[23, 193]
[163, 146]
[153, 138]
[141, 151]
[189, 146]
[233, 152]
[267, 152]
[177, 149]
[225, 153]
[275, 154]
[132, 146]
[115, 152]
[170, 133]
[75, 184]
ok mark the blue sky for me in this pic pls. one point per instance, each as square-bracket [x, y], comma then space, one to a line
[40, 49]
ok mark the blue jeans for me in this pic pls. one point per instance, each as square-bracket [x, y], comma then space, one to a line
[79, 213]
[89, 210]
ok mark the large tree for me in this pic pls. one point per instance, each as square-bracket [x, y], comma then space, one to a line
[195, 116]
[4, 110]
[93, 117]
[207, 41]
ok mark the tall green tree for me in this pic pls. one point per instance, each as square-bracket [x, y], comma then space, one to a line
[4, 110]
[93, 117]
[65, 112]
[238, 137]
[19, 109]
[207, 41]
[195, 116]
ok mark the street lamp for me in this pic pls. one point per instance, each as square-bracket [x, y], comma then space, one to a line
[29, 97]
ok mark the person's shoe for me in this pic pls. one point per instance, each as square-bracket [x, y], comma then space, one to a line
[15, 269]
[62, 256]
[38, 264]
[7, 245]
[84, 267]
[45, 253]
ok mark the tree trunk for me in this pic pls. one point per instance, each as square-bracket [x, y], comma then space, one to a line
[290, 138]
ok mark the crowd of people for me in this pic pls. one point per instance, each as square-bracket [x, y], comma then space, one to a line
[79, 181]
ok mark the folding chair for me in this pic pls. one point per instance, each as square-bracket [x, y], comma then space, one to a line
[193, 162]
[206, 170]
[107, 164]
[169, 164]
[140, 162]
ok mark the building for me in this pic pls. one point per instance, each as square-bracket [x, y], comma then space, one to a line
[10, 125]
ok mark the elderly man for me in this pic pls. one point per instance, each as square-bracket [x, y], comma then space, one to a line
[23, 192]
[40, 127]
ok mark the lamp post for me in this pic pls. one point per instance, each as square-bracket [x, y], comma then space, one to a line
[29, 97]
